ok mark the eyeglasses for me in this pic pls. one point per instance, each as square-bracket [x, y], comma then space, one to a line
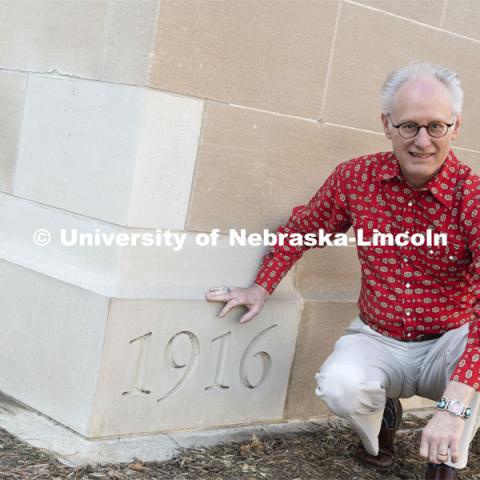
[411, 129]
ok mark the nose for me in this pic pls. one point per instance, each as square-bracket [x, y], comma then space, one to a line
[423, 139]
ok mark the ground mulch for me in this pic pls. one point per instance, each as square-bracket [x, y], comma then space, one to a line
[326, 454]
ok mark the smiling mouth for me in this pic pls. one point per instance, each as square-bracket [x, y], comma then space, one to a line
[420, 155]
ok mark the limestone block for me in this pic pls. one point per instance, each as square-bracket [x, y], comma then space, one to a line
[93, 268]
[166, 364]
[426, 11]
[121, 154]
[329, 274]
[135, 271]
[463, 17]
[263, 54]
[173, 364]
[12, 94]
[51, 344]
[129, 36]
[71, 332]
[53, 35]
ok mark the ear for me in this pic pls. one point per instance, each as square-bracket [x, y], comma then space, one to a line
[456, 126]
[386, 127]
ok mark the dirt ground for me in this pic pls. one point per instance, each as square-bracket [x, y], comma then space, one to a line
[327, 454]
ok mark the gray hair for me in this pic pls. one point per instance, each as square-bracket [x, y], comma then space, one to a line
[421, 69]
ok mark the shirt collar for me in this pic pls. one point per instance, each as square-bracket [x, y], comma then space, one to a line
[388, 169]
[441, 186]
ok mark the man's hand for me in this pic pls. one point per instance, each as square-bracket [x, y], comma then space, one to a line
[444, 430]
[442, 433]
[253, 298]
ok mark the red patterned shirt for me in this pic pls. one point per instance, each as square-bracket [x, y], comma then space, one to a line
[406, 290]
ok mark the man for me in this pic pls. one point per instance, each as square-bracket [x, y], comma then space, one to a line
[418, 330]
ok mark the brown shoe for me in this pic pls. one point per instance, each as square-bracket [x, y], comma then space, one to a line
[386, 438]
[440, 471]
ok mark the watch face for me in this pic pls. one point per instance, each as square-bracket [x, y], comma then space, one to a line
[456, 407]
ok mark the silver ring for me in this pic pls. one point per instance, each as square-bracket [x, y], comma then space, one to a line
[222, 289]
[441, 454]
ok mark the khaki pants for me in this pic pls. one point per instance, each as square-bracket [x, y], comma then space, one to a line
[365, 368]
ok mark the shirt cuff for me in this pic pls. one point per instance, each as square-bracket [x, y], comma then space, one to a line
[268, 280]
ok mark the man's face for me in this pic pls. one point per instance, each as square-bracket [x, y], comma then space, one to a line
[422, 101]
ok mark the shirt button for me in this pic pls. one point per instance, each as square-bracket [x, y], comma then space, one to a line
[408, 312]
[405, 258]
[410, 203]
[430, 252]
[409, 334]
[407, 285]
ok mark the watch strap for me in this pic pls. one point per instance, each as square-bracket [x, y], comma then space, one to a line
[455, 407]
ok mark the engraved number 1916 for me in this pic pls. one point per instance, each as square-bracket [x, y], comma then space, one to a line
[219, 381]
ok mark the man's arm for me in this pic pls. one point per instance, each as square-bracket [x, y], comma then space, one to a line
[467, 370]
[444, 429]
[326, 210]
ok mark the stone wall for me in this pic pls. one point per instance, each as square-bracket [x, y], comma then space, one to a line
[188, 115]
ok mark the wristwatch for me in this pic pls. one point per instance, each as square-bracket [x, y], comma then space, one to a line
[455, 407]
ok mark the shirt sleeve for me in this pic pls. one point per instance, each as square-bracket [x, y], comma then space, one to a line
[467, 369]
[326, 210]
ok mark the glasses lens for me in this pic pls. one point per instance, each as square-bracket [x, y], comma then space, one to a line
[408, 130]
[437, 129]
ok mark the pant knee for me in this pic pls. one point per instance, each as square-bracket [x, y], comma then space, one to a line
[338, 393]
[347, 393]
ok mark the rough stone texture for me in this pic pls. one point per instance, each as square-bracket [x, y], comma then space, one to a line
[262, 54]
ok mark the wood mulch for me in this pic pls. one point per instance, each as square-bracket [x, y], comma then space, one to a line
[326, 454]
